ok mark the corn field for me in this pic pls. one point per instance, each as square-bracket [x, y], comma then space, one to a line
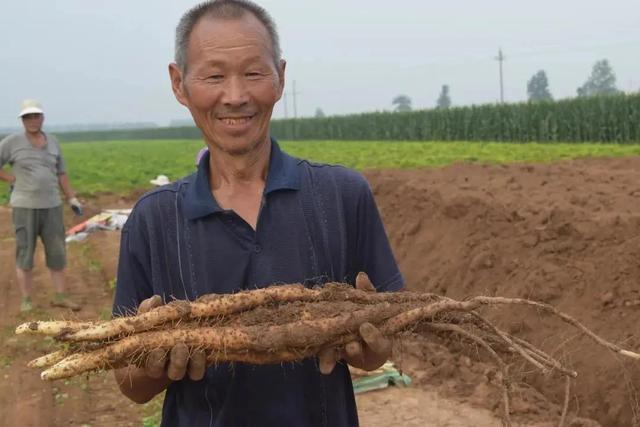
[595, 119]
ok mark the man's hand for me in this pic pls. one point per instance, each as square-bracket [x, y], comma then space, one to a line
[76, 206]
[370, 354]
[176, 363]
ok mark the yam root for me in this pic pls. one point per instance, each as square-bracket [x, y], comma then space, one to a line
[288, 323]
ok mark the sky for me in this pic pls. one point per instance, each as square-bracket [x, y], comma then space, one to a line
[91, 61]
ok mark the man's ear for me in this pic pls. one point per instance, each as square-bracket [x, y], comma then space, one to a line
[177, 83]
[281, 74]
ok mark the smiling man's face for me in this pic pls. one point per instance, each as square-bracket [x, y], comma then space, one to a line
[230, 82]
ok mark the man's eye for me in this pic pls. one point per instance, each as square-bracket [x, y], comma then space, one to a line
[252, 75]
[216, 77]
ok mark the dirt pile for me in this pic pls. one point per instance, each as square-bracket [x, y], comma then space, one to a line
[567, 234]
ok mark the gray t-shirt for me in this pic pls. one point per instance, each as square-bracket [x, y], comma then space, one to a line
[36, 171]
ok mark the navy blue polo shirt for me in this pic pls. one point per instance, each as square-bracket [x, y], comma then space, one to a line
[317, 223]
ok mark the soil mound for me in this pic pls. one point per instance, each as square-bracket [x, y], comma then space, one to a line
[565, 233]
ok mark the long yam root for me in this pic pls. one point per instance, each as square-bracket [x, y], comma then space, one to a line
[209, 306]
[260, 339]
[289, 323]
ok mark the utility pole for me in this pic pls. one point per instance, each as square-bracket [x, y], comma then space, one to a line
[295, 103]
[500, 58]
[286, 114]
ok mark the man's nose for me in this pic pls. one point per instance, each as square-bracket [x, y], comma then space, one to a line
[235, 92]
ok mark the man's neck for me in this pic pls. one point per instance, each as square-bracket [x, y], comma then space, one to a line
[35, 137]
[237, 171]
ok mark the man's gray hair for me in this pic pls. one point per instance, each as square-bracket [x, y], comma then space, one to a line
[224, 9]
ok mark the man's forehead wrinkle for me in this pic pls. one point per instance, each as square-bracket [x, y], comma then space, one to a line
[211, 46]
[214, 55]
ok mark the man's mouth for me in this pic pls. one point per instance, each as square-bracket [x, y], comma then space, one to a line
[235, 121]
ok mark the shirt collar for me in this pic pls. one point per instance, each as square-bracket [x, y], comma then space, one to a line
[283, 174]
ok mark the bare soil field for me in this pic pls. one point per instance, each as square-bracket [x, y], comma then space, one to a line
[567, 234]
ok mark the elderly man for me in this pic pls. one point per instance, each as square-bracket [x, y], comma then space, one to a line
[37, 171]
[251, 216]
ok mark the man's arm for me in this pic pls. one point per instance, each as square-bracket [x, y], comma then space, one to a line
[4, 159]
[65, 184]
[137, 385]
[6, 176]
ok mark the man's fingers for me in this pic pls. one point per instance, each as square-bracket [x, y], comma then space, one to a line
[374, 339]
[156, 361]
[179, 364]
[149, 303]
[327, 359]
[178, 360]
[364, 283]
[354, 350]
[197, 365]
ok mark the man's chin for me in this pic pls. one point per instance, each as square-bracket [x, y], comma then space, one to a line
[239, 146]
[238, 151]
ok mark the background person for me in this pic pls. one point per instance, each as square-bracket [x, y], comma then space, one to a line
[37, 170]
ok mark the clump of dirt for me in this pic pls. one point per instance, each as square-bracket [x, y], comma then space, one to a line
[566, 233]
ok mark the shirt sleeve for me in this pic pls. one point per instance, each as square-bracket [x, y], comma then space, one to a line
[5, 155]
[61, 167]
[133, 283]
[374, 254]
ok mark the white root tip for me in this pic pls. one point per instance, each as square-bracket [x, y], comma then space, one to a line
[631, 354]
[23, 328]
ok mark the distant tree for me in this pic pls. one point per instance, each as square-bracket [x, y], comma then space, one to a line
[538, 87]
[319, 113]
[444, 100]
[402, 103]
[602, 81]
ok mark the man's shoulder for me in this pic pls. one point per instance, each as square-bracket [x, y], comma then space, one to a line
[341, 176]
[51, 138]
[13, 139]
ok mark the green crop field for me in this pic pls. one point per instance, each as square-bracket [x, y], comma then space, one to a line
[120, 166]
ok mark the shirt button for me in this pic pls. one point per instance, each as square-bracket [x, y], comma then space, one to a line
[257, 248]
